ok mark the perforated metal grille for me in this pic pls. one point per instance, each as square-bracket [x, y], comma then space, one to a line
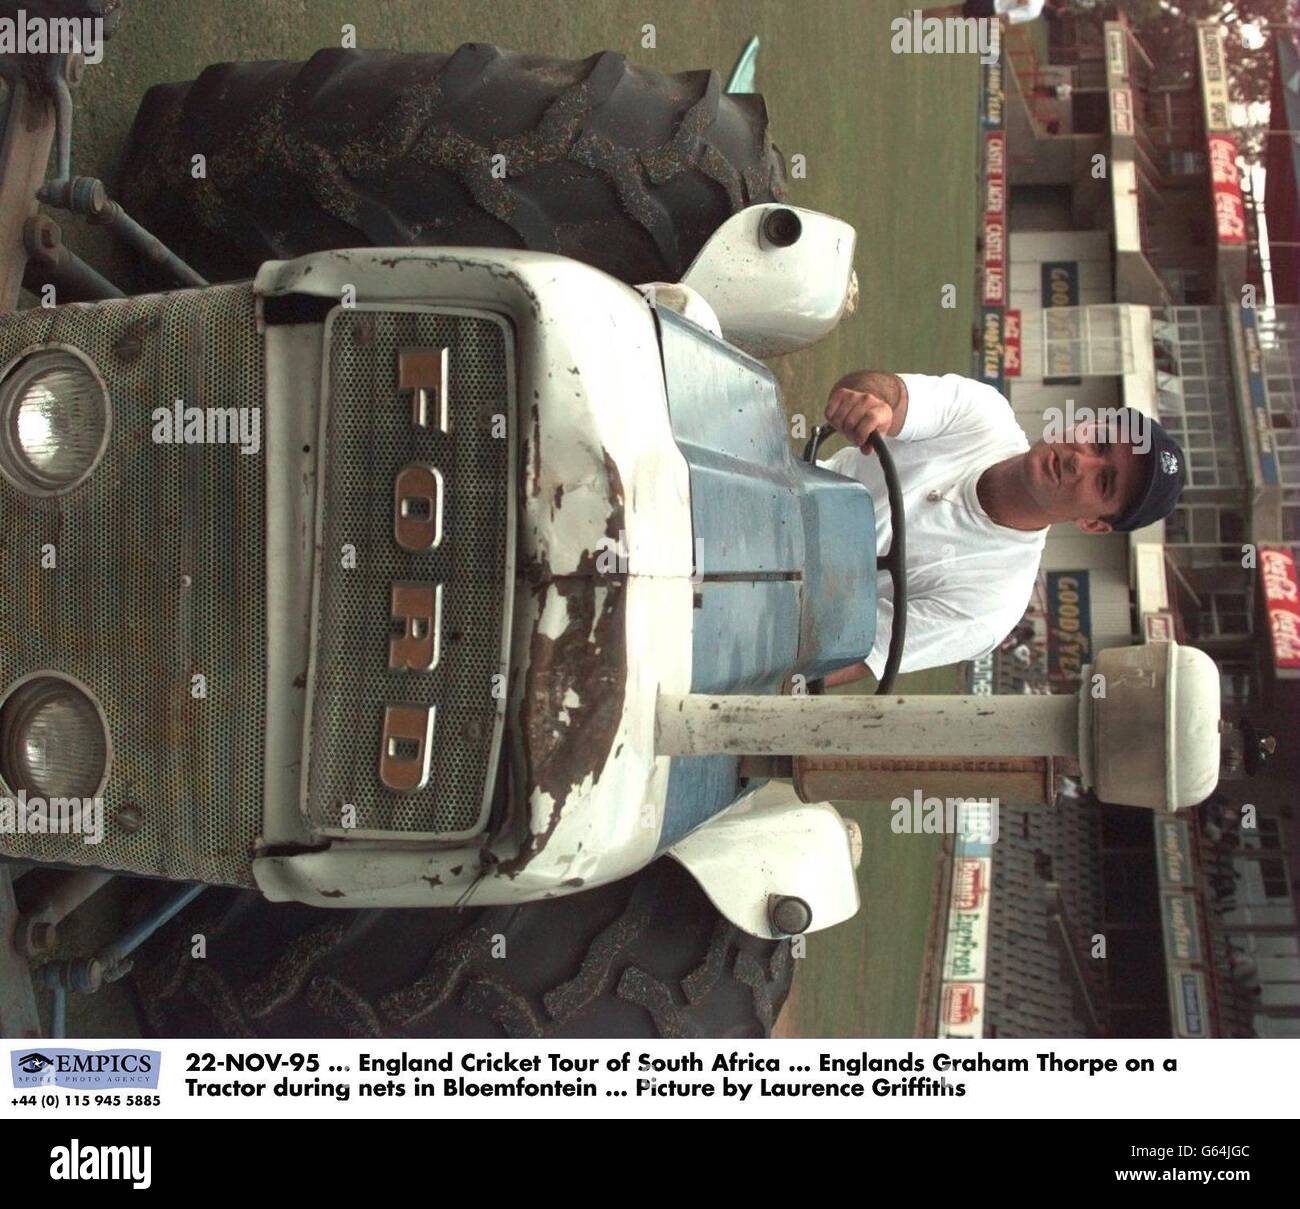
[371, 437]
[159, 578]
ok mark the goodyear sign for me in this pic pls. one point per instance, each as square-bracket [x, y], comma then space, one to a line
[989, 354]
[1069, 628]
[991, 98]
[1174, 852]
[1259, 396]
[1182, 927]
[1059, 288]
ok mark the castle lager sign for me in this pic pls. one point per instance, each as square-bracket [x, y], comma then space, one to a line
[995, 218]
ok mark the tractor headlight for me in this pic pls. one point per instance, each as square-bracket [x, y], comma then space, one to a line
[54, 420]
[53, 739]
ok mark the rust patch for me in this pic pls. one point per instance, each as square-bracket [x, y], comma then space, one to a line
[129, 346]
[585, 660]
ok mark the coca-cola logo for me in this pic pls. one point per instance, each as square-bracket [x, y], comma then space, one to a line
[1223, 161]
[1278, 570]
[1230, 216]
[1286, 636]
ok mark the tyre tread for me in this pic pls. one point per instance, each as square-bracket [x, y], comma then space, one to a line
[649, 956]
[619, 166]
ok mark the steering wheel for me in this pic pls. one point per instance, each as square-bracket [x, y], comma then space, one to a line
[894, 561]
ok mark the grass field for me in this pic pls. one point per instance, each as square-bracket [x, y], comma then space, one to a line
[889, 145]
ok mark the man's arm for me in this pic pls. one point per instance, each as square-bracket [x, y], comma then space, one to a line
[866, 402]
[846, 675]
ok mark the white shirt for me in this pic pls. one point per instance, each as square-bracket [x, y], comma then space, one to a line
[969, 579]
[1017, 11]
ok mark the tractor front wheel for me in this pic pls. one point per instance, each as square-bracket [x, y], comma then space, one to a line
[645, 957]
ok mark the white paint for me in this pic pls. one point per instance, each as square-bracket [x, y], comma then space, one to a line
[772, 300]
[803, 849]
[555, 616]
[689, 303]
[293, 359]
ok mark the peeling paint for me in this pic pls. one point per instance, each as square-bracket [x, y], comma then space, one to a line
[574, 689]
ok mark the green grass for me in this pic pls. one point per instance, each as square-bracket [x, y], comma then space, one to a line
[860, 979]
[889, 145]
[887, 138]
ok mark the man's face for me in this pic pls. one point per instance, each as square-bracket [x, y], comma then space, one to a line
[1087, 479]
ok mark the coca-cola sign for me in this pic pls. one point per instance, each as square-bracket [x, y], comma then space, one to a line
[1277, 571]
[1225, 180]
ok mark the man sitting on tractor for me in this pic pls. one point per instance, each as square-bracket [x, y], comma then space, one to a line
[979, 498]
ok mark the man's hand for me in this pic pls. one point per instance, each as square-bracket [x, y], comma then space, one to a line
[857, 415]
[867, 402]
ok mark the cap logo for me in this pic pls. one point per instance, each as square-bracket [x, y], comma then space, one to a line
[1168, 462]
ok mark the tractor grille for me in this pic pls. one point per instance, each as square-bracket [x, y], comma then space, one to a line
[159, 579]
[370, 438]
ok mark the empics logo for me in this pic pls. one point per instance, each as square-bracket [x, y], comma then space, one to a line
[79, 1069]
[34, 1064]
[78, 1161]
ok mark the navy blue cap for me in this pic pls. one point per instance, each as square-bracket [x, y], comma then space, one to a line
[1164, 467]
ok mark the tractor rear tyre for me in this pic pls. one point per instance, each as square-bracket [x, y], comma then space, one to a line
[620, 167]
